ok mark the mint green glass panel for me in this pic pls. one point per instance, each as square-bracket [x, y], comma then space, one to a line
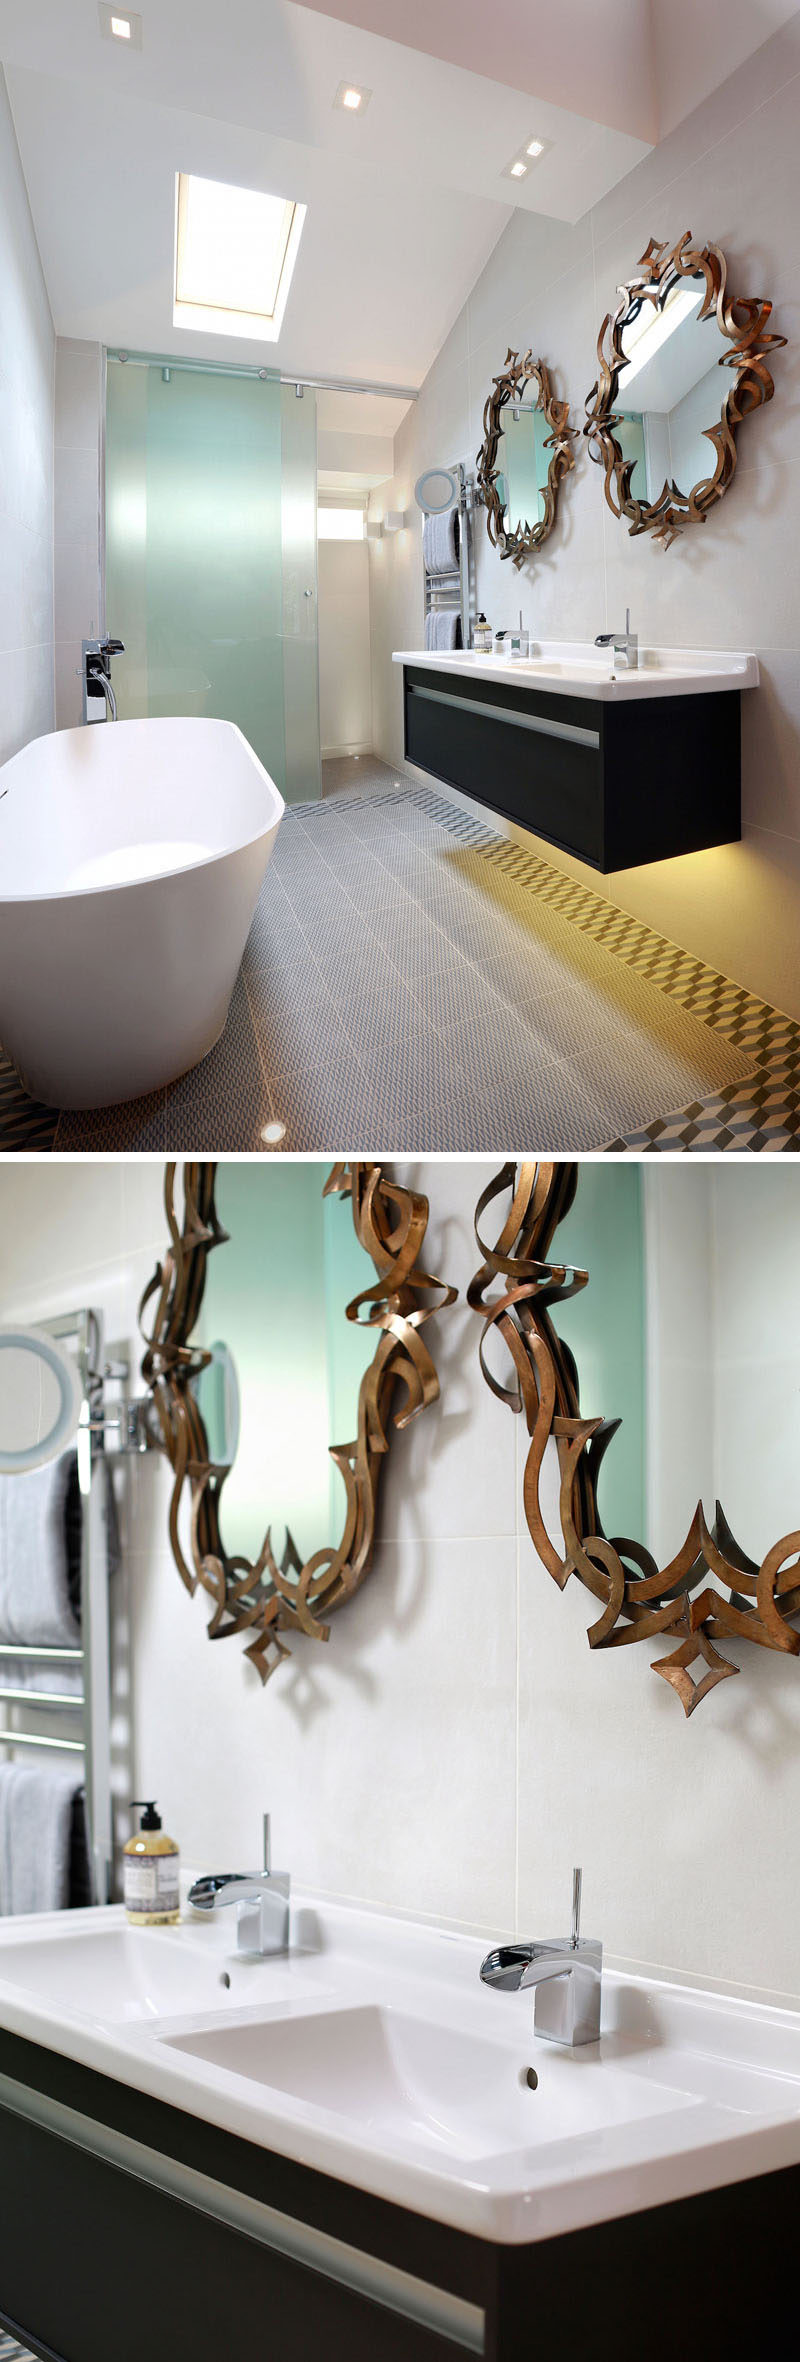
[194, 574]
[300, 627]
[277, 1293]
[605, 1328]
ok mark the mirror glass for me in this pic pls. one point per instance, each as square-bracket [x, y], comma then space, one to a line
[523, 465]
[436, 490]
[671, 388]
[287, 1363]
[689, 1331]
[40, 1400]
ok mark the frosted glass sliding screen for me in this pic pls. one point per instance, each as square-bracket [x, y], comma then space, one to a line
[194, 569]
[300, 623]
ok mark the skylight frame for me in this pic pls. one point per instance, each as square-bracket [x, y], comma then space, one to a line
[217, 319]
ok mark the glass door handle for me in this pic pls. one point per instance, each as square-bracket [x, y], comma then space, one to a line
[308, 594]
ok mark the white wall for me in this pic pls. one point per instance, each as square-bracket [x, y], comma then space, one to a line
[27, 350]
[78, 447]
[345, 685]
[456, 1747]
[730, 174]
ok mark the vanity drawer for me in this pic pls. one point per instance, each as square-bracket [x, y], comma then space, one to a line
[509, 750]
[617, 784]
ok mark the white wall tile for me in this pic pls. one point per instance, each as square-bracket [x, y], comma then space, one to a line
[26, 463]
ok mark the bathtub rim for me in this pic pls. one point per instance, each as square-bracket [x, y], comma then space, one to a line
[9, 900]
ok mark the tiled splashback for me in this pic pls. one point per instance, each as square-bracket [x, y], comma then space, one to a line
[456, 1747]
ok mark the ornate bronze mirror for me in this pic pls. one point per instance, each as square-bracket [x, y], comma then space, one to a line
[525, 454]
[285, 1316]
[682, 362]
[684, 1345]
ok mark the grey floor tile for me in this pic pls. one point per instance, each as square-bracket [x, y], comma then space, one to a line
[327, 1108]
[223, 1103]
[411, 983]
[138, 1125]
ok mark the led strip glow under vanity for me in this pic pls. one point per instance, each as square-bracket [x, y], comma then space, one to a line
[561, 743]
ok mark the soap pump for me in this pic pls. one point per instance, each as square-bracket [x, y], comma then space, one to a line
[150, 1872]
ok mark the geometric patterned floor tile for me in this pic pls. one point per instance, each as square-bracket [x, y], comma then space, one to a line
[414, 982]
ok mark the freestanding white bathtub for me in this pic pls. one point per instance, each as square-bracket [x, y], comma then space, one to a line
[131, 856]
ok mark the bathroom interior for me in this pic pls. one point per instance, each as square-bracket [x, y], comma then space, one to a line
[399, 623]
[440, 1988]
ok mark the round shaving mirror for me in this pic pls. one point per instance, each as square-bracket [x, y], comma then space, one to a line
[40, 1400]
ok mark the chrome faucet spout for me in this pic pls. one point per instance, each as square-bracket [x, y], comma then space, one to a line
[570, 1966]
[97, 656]
[261, 1901]
[625, 644]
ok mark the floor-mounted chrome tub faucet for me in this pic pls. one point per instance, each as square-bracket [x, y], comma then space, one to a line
[97, 656]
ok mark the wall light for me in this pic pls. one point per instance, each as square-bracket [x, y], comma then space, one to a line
[352, 97]
[120, 24]
[394, 520]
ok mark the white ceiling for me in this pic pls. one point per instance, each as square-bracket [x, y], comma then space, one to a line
[404, 204]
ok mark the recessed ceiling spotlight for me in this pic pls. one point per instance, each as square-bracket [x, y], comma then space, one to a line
[517, 170]
[273, 1134]
[352, 97]
[538, 147]
[120, 24]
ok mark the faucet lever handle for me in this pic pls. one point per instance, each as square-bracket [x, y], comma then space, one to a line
[577, 1879]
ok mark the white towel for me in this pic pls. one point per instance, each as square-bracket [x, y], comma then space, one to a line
[39, 1807]
[440, 542]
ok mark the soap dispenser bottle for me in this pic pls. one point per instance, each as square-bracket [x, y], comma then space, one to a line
[150, 1872]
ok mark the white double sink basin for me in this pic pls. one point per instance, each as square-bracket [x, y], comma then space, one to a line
[373, 2053]
[577, 668]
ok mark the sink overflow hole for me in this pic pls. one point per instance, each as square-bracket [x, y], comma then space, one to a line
[225, 1980]
[530, 2077]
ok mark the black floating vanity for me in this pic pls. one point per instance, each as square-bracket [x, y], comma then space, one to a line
[619, 777]
[134, 2231]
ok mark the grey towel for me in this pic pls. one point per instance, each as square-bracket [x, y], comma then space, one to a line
[440, 542]
[43, 1847]
[446, 627]
[37, 1562]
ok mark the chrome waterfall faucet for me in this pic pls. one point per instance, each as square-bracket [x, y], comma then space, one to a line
[97, 656]
[625, 644]
[260, 1899]
[567, 1972]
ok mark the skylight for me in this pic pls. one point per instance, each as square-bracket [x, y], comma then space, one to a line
[235, 251]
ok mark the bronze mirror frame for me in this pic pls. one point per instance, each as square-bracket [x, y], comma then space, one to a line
[639, 1601]
[260, 1597]
[520, 372]
[743, 320]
